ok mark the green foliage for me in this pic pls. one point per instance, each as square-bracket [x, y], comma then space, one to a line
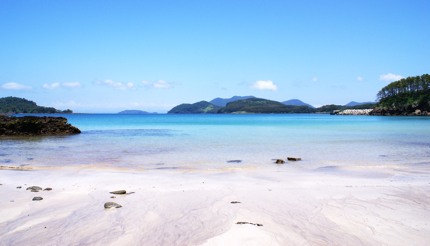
[201, 107]
[263, 106]
[406, 95]
[15, 105]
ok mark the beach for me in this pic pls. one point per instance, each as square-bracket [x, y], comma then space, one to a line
[232, 205]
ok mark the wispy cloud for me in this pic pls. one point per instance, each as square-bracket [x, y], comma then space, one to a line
[15, 86]
[160, 84]
[314, 79]
[56, 85]
[359, 78]
[390, 77]
[51, 86]
[71, 84]
[265, 85]
[117, 85]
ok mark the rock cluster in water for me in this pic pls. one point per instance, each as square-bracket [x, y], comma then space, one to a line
[34, 126]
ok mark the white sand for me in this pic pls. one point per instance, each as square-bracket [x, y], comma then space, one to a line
[332, 206]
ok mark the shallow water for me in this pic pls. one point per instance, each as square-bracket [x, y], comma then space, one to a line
[204, 141]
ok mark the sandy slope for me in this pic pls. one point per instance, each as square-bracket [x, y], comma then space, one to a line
[328, 206]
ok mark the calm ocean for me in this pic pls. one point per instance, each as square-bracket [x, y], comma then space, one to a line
[204, 141]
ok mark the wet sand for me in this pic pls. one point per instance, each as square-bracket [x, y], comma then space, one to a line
[236, 205]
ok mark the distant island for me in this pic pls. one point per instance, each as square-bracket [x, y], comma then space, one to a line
[296, 102]
[253, 105]
[15, 105]
[134, 112]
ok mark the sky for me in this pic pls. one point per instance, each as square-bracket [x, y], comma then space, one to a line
[104, 56]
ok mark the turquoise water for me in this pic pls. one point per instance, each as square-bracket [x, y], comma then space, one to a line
[202, 141]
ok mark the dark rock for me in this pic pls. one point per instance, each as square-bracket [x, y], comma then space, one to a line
[33, 126]
[294, 158]
[34, 188]
[234, 202]
[234, 161]
[48, 189]
[279, 161]
[119, 192]
[112, 205]
[249, 223]
[37, 198]
[19, 187]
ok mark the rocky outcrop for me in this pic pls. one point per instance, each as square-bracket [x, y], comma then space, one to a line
[352, 112]
[34, 126]
[391, 112]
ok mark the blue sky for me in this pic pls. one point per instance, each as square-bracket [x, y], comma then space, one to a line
[106, 56]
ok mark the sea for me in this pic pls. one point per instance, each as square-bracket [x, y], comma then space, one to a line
[175, 141]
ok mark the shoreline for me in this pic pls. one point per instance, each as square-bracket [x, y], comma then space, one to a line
[331, 205]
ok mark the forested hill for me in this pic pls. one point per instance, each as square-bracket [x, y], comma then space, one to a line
[259, 106]
[15, 105]
[406, 96]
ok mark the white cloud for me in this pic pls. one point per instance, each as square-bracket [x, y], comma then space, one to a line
[71, 84]
[56, 85]
[51, 86]
[390, 77]
[359, 78]
[160, 84]
[117, 85]
[15, 86]
[265, 85]
[315, 79]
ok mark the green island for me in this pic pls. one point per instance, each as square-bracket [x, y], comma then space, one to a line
[15, 105]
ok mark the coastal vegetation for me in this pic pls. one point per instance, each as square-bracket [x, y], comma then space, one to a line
[15, 105]
[406, 96]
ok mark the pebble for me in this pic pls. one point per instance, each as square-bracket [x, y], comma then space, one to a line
[249, 223]
[279, 161]
[34, 188]
[119, 192]
[37, 198]
[112, 205]
[48, 189]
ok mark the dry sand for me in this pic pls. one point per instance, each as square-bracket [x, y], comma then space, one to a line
[281, 205]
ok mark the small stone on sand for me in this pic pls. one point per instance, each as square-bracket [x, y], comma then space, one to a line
[37, 198]
[112, 205]
[34, 188]
[119, 192]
